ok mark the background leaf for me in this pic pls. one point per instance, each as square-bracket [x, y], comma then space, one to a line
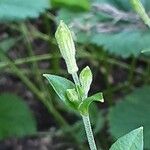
[14, 10]
[102, 29]
[130, 113]
[72, 4]
[131, 43]
[15, 117]
[130, 141]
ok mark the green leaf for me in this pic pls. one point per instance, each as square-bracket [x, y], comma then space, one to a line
[125, 43]
[72, 4]
[60, 85]
[84, 105]
[130, 141]
[146, 52]
[15, 10]
[97, 28]
[132, 112]
[16, 119]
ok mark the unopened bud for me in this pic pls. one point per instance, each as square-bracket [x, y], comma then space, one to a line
[66, 46]
[72, 95]
[86, 79]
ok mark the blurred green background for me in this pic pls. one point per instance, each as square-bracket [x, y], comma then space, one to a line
[109, 38]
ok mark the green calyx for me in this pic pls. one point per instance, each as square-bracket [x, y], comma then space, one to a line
[66, 45]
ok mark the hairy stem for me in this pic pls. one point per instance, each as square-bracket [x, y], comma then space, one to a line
[89, 133]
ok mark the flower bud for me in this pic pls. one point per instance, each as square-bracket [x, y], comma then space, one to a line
[66, 46]
[86, 79]
[72, 95]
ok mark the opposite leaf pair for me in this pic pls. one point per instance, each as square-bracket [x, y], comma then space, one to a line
[75, 96]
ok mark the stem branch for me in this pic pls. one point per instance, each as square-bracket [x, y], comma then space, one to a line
[86, 119]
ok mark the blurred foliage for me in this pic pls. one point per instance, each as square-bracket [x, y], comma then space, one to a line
[105, 25]
[124, 4]
[131, 112]
[105, 31]
[71, 4]
[16, 120]
[16, 10]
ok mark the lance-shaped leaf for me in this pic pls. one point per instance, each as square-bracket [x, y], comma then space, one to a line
[60, 85]
[130, 141]
[84, 105]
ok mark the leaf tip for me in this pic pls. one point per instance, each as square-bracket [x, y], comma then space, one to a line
[141, 128]
[46, 76]
[102, 100]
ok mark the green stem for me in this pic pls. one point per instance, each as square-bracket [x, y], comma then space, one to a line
[86, 119]
[89, 133]
[28, 40]
[55, 113]
[76, 79]
[35, 90]
[28, 60]
[49, 56]
[55, 60]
